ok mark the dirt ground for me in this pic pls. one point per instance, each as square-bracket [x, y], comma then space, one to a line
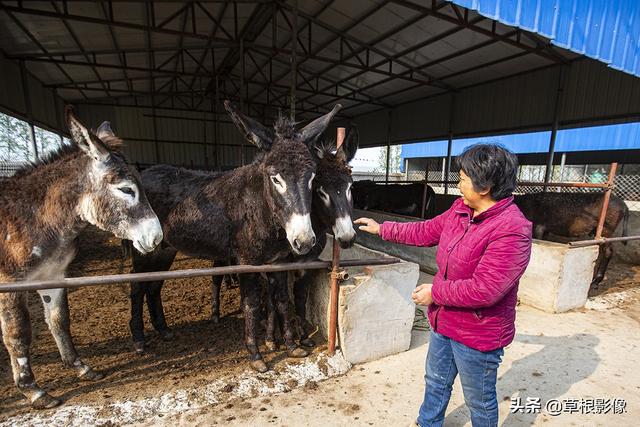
[99, 325]
[384, 392]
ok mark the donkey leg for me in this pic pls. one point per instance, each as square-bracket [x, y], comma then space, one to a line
[160, 262]
[16, 334]
[281, 292]
[216, 285]
[300, 296]
[604, 256]
[250, 296]
[270, 334]
[56, 314]
[156, 310]
[136, 324]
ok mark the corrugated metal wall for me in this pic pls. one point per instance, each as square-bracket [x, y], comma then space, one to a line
[593, 94]
[182, 137]
[46, 107]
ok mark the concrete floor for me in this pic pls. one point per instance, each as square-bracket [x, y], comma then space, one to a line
[588, 354]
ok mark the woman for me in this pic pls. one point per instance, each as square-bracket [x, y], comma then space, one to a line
[484, 245]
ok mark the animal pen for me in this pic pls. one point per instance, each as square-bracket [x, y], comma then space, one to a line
[403, 71]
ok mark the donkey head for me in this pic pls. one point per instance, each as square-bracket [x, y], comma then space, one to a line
[288, 170]
[332, 187]
[113, 199]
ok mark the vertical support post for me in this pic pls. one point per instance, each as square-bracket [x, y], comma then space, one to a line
[554, 129]
[447, 163]
[447, 167]
[155, 128]
[386, 176]
[294, 60]
[563, 161]
[216, 127]
[27, 103]
[605, 201]
[335, 264]
[242, 92]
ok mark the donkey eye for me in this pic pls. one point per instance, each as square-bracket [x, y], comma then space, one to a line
[128, 191]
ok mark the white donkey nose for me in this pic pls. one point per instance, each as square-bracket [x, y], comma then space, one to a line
[147, 235]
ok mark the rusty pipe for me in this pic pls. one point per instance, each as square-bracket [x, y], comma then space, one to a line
[605, 201]
[78, 282]
[333, 298]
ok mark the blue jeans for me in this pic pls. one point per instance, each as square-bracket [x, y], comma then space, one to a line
[478, 371]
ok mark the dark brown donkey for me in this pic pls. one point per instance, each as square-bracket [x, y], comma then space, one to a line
[43, 208]
[256, 214]
[575, 216]
[331, 210]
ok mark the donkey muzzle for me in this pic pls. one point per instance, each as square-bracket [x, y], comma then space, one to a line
[147, 235]
[300, 233]
[344, 232]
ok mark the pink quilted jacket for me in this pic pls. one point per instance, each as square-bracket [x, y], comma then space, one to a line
[480, 261]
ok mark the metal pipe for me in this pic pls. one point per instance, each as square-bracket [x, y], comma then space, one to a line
[78, 282]
[294, 61]
[335, 275]
[602, 241]
[27, 103]
[554, 129]
[242, 93]
[605, 201]
[386, 179]
[449, 143]
[333, 298]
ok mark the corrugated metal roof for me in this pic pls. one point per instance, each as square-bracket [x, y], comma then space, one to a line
[601, 138]
[606, 30]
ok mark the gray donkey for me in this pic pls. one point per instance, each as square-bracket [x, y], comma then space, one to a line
[43, 208]
[255, 214]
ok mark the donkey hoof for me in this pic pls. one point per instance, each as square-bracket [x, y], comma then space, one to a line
[259, 365]
[166, 334]
[271, 345]
[298, 352]
[138, 346]
[91, 375]
[215, 318]
[45, 402]
[307, 342]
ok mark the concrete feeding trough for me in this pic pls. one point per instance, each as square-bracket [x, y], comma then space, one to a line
[556, 280]
[375, 310]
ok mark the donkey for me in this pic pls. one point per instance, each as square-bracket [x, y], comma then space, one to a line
[332, 207]
[43, 208]
[255, 214]
[575, 215]
[331, 210]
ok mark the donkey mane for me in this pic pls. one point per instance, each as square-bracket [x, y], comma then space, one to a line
[113, 143]
[285, 127]
[326, 149]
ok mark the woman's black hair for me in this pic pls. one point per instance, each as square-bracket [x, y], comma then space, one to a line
[490, 166]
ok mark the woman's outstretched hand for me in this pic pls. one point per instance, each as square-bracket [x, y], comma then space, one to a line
[368, 225]
[422, 294]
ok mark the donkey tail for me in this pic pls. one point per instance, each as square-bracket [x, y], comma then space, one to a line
[625, 223]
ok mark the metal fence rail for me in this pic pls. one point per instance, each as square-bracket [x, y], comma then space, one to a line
[78, 282]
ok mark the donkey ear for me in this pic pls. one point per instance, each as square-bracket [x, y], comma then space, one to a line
[347, 150]
[104, 131]
[83, 137]
[313, 130]
[255, 132]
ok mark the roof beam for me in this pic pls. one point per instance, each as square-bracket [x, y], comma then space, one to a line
[35, 41]
[476, 29]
